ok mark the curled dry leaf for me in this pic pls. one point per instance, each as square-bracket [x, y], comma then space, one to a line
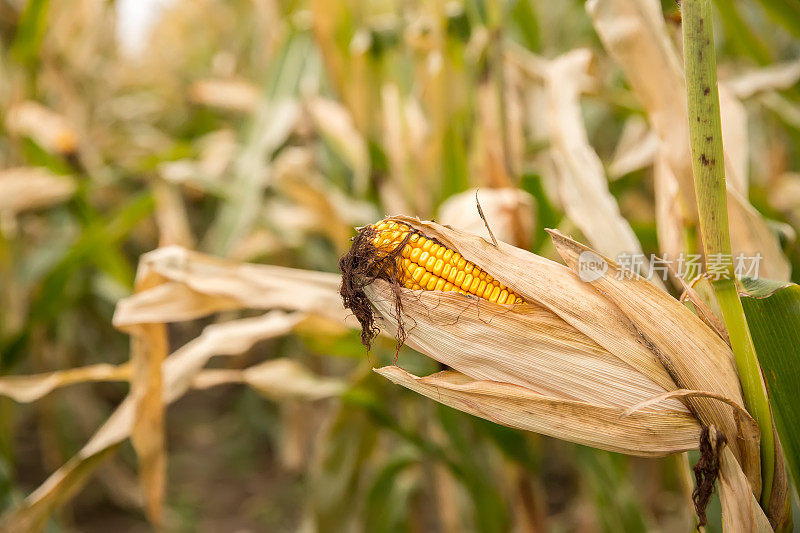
[25, 389]
[44, 126]
[200, 284]
[586, 348]
[509, 213]
[582, 182]
[25, 188]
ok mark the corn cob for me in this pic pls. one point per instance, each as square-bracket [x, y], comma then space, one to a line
[425, 264]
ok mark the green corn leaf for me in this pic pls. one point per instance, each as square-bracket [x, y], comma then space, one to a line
[773, 313]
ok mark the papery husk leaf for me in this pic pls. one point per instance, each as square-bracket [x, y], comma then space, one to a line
[740, 509]
[748, 425]
[555, 287]
[599, 426]
[526, 345]
[695, 356]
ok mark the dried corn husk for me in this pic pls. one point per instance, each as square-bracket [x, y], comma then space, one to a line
[574, 354]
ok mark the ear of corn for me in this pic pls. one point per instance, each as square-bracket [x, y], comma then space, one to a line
[424, 264]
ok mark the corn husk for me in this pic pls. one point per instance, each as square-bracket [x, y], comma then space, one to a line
[609, 345]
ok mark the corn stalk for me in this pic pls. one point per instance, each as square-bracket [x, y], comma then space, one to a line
[709, 179]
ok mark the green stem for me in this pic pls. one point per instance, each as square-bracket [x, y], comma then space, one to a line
[750, 377]
[709, 178]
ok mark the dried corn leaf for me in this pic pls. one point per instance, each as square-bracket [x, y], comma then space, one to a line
[734, 139]
[582, 182]
[753, 237]
[635, 35]
[277, 379]
[149, 348]
[179, 370]
[740, 509]
[773, 77]
[203, 284]
[25, 389]
[25, 188]
[171, 216]
[588, 423]
[636, 149]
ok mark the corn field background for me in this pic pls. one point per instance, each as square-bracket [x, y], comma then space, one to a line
[156, 188]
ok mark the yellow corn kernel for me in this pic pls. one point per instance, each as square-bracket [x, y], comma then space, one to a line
[495, 294]
[424, 264]
[481, 288]
[446, 268]
[432, 283]
[425, 278]
[430, 263]
[473, 287]
[418, 273]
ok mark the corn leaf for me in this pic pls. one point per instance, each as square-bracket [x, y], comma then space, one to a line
[773, 315]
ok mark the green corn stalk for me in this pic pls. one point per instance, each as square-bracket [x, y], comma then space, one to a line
[709, 179]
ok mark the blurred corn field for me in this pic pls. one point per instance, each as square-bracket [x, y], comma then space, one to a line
[174, 202]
